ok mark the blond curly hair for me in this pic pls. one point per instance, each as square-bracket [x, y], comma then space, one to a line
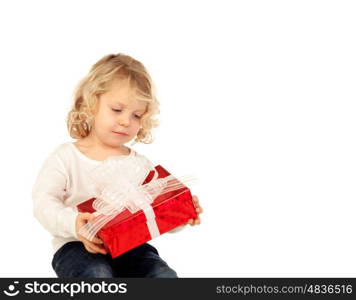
[98, 81]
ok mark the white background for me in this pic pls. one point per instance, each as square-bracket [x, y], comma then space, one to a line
[257, 100]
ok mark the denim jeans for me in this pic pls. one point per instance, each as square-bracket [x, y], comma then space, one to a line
[73, 260]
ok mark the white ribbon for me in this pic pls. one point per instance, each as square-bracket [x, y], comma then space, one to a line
[118, 186]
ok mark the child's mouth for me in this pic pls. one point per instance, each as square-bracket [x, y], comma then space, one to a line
[120, 133]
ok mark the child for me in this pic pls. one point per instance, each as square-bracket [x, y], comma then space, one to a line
[113, 104]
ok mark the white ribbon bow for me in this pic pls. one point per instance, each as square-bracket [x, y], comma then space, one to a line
[118, 182]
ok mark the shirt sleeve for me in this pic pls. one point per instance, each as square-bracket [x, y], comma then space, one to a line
[48, 195]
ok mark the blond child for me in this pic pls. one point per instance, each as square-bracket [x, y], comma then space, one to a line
[114, 104]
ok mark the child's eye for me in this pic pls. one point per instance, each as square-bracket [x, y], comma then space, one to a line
[116, 110]
[138, 117]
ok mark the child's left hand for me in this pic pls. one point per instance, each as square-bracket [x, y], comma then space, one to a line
[198, 209]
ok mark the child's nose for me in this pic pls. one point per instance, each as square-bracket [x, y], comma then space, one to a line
[124, 121]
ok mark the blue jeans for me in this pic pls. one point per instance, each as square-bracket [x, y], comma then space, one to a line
[73, 260]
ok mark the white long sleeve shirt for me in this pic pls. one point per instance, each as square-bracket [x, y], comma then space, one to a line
[61, 185]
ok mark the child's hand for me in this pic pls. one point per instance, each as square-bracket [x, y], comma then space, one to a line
[198, 209]
[94, 246]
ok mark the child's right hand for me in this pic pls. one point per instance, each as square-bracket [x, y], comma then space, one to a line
[94, 246]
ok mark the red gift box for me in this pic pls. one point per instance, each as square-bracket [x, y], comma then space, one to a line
[127, 231]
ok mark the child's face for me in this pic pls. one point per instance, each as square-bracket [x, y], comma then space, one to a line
[118, 112]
